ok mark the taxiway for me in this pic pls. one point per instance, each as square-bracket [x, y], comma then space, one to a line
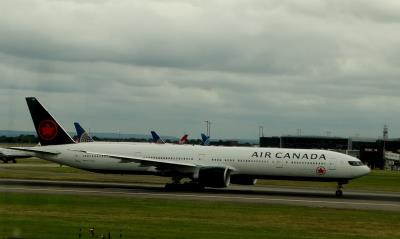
[248, 194]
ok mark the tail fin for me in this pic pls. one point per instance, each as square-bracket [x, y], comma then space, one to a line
[82, 135]
[156, 138]
[205, 139]
[49, 131]
[183, 139]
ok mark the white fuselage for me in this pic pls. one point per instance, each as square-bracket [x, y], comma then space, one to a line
[308, 164]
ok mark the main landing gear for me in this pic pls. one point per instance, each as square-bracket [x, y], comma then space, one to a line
[176, 185]
[6, 160]
[339, 192]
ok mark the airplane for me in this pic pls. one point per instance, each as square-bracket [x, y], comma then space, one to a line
[157, 139]
[215, 167]
[205, 140]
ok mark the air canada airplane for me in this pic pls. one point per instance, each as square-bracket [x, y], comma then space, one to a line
[206, 166]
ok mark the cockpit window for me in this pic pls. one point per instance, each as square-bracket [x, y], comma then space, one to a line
[355, 163]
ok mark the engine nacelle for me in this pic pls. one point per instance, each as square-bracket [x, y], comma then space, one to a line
[214, 177]
[243, 180]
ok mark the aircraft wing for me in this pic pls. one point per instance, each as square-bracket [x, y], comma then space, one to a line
[144, 161]
[159, 163]
[35, 150]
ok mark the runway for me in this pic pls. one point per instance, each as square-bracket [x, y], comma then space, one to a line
[239, 194]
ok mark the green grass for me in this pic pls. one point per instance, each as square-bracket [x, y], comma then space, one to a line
[61, 216]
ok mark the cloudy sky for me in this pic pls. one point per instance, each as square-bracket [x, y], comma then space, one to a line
[133, 66]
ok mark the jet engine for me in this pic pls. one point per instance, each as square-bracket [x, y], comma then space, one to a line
[214, 177]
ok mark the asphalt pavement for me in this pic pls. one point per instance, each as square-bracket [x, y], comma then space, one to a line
[247, 194]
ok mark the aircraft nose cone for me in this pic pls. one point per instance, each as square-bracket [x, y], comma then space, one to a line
[366, 170]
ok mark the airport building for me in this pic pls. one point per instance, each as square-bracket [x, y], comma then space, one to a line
[376, 153]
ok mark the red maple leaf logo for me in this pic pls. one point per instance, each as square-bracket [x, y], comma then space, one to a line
[320, 170]
[47, 129]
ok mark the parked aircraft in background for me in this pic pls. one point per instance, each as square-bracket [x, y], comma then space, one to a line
[206, 166]
[183, 139]
[82, 135]
[157, 139]
[205, 139]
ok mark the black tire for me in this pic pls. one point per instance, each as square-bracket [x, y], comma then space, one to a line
[339, 193]
[170, 187]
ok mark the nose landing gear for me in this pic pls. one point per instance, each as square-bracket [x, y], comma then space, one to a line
[339, 192]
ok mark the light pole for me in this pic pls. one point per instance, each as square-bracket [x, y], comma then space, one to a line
[208, 125]
[261, 131]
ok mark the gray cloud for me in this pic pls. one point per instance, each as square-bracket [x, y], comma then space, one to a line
[134, 65]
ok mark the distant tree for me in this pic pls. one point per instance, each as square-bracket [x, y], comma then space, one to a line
[30, 139]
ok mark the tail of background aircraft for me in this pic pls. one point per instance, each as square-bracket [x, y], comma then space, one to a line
[205, 139]
[49, 131]
[82, 135]
[183, 140]
[156, 138]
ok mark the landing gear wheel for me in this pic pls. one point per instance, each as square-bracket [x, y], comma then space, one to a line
[170, 186]
[339, 192]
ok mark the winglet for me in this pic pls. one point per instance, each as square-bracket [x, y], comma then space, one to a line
[49, 131]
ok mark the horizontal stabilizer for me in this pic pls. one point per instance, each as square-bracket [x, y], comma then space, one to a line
[13, 153]
[35, 150]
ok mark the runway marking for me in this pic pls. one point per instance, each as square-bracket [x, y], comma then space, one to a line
[207, 196]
